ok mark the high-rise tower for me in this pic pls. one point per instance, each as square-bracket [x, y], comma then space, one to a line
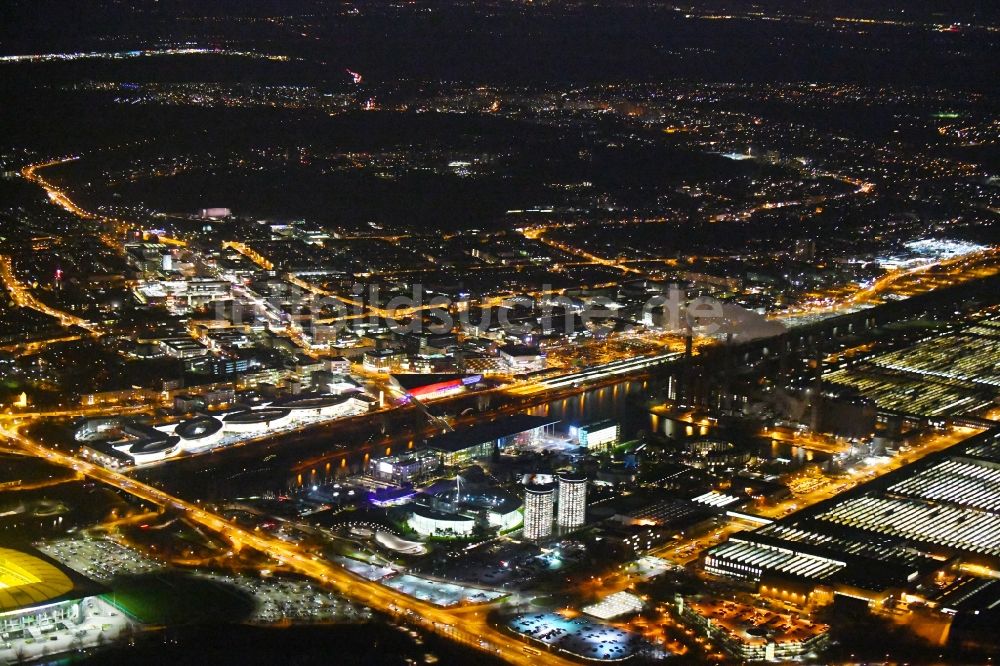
[572, 500]
[538, 505]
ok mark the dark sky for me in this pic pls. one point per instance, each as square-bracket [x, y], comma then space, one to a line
[508, 42]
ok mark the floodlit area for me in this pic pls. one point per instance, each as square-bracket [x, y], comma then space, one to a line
[577, 636]
[973, 484]
[276, 599]
[672, 335]
[615, 605]
[923, 521]
[135, 444]
[649, 567]
[928, 251]
[440, 594]
[882, 536]
[903, 394]
[394, 543]
[553, 443]
[714, 498]
[372, 572]
[755, 633]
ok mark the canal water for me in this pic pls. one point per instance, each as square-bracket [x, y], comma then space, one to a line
[315, 456]
[629, 404]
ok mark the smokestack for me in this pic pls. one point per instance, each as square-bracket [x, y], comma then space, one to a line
[684, 386]
[727, 373]
[817, 393]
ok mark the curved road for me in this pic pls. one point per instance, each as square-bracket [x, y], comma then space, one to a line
[466, 625]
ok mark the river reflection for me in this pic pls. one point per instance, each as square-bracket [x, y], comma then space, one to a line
[315, 457]
[629, 403]
[625, 402]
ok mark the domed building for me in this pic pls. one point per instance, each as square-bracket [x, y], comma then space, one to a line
[453, 512]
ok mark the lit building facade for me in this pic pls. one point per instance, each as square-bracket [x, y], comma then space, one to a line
[521, 358]
[430, 522]
[539, 502]
[572, 500]
[599, 436]
[403, 468]
[769, 637]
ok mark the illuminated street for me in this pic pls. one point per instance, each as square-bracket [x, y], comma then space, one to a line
[500, 332]
[473, 630]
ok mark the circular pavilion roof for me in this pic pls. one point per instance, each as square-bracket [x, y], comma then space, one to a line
[200, 427]
[254, 416]
[27, 581]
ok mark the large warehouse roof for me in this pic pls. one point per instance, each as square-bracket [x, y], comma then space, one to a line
[488, 432]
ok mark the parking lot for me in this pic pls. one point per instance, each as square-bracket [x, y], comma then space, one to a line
[578, 636]
[440, 594]
[277, 600]
[98, 559]
[282, 600]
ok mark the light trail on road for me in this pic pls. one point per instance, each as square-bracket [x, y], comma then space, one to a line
[23, 297]
[60, 198]
[464, 627]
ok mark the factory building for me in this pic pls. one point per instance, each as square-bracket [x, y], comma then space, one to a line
[884, 536]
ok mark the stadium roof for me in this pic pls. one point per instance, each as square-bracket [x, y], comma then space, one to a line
[26, 580]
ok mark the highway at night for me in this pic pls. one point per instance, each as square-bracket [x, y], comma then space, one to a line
[466, 626]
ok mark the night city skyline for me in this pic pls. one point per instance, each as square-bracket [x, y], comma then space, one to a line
[500, 332]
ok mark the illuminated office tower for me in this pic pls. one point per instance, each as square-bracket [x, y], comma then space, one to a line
[538, 504]
[572, 500]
